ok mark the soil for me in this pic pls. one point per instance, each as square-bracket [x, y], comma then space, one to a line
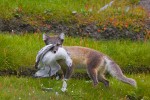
[16, 25]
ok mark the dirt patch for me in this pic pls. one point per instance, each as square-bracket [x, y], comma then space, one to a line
[29, 72]
[17, 25]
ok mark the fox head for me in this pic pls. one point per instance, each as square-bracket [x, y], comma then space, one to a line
[56, 40]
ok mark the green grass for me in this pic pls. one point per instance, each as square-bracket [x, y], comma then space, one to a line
[36, 11]
[25, 88]
[20, 50]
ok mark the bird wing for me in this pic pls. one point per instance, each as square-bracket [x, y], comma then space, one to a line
[48, 71]
[54, 68]
[41, 54]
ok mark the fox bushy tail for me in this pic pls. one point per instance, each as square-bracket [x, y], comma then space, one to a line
[115, 71]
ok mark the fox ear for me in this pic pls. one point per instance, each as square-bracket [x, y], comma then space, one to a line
[45, 37]
[62, 36]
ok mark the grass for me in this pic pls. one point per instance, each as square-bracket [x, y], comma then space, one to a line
[25, 88]
[20, 50]
[36, 11]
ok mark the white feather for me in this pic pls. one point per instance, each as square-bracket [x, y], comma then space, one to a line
[48, 65]
[64, 86]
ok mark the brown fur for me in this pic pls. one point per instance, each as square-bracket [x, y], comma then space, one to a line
[96, 64]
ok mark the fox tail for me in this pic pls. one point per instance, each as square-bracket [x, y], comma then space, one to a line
[116, 72]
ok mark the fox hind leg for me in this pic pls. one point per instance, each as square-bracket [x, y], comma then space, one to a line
[101, 78]
[93, 75]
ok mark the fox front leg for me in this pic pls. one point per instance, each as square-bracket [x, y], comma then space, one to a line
[68, 72]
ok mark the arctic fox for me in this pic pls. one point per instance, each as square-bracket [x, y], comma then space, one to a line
[96, 63]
